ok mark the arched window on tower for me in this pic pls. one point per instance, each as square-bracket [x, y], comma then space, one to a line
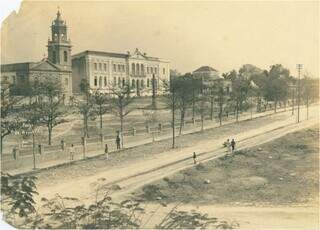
[142, 69]
[65, 56]
[54, 59]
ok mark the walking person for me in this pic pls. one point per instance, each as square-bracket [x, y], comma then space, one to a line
[228, 145]
[106, 151]
[194, 158]
[233, 145]
[118, 140]
[72, 152]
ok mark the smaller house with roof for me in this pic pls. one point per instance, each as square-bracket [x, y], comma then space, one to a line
[210, 77]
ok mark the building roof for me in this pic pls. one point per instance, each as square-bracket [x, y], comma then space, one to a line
[101, 53]
[207, 73]
[205, 69]
[117, 55]
[43, 65]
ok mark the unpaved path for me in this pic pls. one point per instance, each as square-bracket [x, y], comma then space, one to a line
[248, 218]
[131, 177]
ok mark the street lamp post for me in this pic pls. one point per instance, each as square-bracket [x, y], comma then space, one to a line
[299, 67]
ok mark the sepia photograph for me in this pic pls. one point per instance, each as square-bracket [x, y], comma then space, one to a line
[155, 114]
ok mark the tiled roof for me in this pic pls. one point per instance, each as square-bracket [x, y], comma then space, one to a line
[205, 68]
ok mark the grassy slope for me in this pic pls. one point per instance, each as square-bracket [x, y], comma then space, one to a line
[284, 171]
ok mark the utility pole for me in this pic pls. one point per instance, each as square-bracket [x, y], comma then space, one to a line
[307, 91]
[299, 67]
[293, 92]
[172, 87]
[154, 93]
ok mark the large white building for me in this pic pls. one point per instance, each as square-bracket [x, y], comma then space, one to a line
[103, 70]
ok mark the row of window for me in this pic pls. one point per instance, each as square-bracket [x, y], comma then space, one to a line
[118, 68]
[135, 68]
[121, 81]
[100, 66]
[140, 69]
[103, 67]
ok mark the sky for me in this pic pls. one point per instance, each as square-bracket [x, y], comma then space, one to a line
[223, 35]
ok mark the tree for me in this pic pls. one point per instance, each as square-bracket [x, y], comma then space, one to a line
[32, 121]
[100, 101]
[85, 89]
[277, 84]
[170, 100]
[17, 197]
[240, 88]
[120, 102]
[50, 107]
[220, 92]
[10, 119]
[86, 109]
[183, 86]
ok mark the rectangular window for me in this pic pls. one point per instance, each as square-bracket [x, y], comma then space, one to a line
[105, 81]
[95, 81]
[147, 69]
[65, 56]
[100, 66]
[164, 71]
[123, 69]
[95, 66]
[114, 67]
[119, 68]
[105, 67]
[66, 82]
[114, 80]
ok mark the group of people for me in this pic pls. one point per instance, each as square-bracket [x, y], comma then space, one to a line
[230, 145]
[106, 149]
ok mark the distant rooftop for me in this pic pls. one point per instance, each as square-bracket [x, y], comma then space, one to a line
[205, 69]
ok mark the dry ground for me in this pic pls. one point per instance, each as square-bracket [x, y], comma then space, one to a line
[282, 172]
[121, 159]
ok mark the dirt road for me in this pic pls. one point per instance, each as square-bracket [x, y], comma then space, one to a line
[131, 177]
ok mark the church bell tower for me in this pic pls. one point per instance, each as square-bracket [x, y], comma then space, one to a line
[59, 46]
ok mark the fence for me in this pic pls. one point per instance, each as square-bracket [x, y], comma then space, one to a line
[45, 153]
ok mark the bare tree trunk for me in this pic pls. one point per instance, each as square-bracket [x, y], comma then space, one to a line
[193, 104]
[211, 108]
[121, 129]
[1, 142]
[237, 111]
[220, 112]
[49, 134]
[33, 151]
[173, 118]
[181, 121]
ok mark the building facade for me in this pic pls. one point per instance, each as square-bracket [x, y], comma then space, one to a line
[56, 67]
[103, 70]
